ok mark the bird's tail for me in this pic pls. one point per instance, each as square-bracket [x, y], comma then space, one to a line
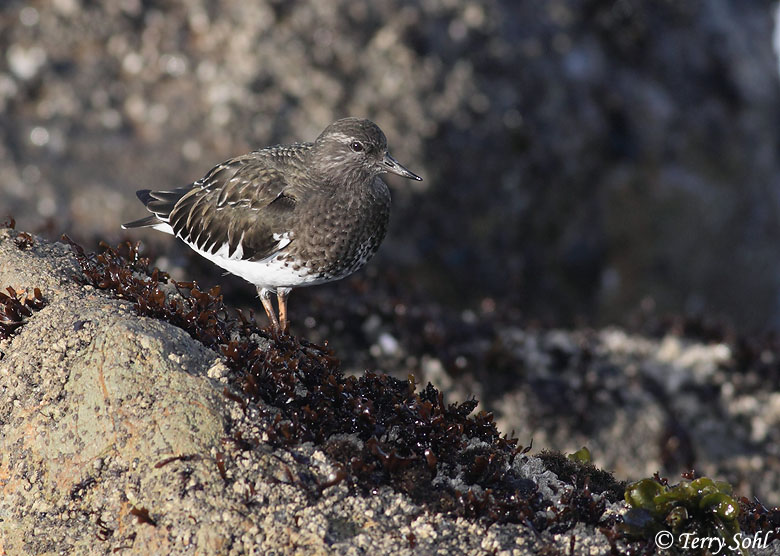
[144, 195]
[160, 204]
[143, 222]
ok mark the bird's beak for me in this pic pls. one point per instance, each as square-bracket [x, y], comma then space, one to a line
[390, 164]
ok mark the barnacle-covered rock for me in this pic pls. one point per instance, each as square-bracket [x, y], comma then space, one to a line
[139, 414]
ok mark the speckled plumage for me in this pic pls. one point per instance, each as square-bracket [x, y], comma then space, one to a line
[288, 215]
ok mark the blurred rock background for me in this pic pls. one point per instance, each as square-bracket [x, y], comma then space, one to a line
[579, 156]
[583, 159]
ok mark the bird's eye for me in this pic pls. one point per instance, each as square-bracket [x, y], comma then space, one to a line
[356, 146]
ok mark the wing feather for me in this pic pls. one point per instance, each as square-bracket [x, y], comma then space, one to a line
[242, 202]
[246, 202]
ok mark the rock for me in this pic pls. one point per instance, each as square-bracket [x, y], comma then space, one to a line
[642, 405]
[114, 437]
[90, 392]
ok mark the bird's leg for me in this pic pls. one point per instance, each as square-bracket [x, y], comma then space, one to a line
[265, 297]
[281, 296]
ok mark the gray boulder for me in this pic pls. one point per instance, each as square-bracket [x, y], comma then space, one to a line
[113, 437]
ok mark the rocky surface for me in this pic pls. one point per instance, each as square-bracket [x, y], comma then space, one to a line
[118, 432]
[579, 156]
[114, 436]
[642, 405]
[686, 394]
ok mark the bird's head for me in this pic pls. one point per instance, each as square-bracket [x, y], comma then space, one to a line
[356, 147]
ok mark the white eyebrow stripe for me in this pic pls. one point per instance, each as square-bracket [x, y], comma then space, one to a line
[340, 136]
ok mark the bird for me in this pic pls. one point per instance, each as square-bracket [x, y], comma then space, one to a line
[286, 216]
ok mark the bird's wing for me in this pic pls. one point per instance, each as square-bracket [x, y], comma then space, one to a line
[244, 203]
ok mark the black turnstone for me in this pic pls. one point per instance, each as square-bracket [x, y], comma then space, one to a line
[289, 215]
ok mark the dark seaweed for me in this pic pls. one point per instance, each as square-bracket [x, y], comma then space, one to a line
[408, 436]
[16, 308]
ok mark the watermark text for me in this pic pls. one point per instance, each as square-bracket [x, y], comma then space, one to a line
[714, 545]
